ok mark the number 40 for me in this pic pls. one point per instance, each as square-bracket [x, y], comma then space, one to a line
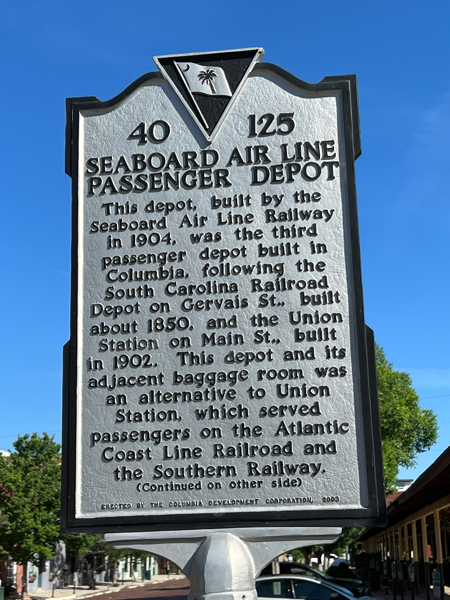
[157, 132]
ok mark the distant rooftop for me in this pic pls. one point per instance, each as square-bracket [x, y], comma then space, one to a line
[403, 484]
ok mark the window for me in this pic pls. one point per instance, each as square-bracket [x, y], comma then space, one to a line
[313, 590]
[274, 588]
[11, 575]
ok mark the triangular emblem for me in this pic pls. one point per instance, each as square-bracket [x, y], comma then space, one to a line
[208, 83]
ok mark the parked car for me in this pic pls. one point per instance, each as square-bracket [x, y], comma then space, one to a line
[300, 587]
[356, 586]
[342, 570]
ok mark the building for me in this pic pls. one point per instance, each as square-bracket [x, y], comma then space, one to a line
[403, 484]
[418, 529]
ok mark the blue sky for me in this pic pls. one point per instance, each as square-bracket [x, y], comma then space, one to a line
[400, 52]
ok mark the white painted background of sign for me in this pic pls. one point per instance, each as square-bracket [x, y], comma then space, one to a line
[318, 117]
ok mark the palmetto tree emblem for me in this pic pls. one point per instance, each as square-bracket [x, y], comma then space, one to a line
[208, 77]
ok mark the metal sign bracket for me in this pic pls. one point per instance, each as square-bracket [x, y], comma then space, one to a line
[222, 565]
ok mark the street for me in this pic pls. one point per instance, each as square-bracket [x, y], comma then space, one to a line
[175, 589]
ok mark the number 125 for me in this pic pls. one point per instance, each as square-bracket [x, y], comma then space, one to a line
[266, 125]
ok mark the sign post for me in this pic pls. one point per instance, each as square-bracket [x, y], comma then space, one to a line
[219, 376]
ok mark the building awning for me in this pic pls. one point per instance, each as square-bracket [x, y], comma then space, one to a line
[431, 486]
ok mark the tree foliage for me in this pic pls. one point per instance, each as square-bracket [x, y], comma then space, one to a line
[30, 498]
[80, 544]
[89, 548]
[96, 554]
[406, 428]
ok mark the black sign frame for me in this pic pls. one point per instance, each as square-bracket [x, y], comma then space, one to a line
[372, 515]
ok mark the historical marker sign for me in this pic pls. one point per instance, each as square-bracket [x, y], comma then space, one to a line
[217, 370]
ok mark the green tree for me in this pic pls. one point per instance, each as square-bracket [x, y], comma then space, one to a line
[345, 541]
[3, 551]
[95, 554]
[88, 548]
[93, 551]
[30, 498]
[406, 428]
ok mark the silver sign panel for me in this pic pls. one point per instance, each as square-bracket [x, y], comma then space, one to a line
[217, 361]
